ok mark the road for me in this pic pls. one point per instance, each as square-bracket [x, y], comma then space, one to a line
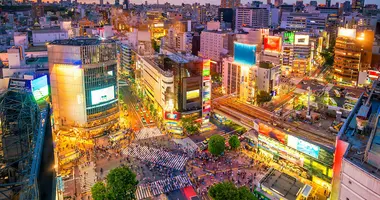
[133, 118]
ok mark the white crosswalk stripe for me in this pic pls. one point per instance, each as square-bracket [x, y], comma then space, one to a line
[162, 186]
[187, 145]
[146, 133]
[156, 156]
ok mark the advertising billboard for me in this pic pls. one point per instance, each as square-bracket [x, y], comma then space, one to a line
[40, 87]
[245, 54]
[19, 84]
[347, 32]
[102, 95]
[272, 43]
[301, 39]
[273, 133]
[172, 115]
[289, 37]
[303, 146]
[193, 94]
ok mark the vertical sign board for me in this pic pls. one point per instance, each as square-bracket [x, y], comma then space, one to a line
[206, 95]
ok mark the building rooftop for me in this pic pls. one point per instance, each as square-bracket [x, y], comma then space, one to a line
[81, 41]
[362, 131]
[282, 184]
[50, 30]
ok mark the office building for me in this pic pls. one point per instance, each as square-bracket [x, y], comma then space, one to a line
[226, 17]
[173, 83]
[126, 5]
[278, 3]
[41, 37]
[229, 3]
[213, 44]
[357, 152]
[347, 57]
[308, 22]
[357, 5]
[346, 7]
[328, 3]
[296, 52]
[84, 91]
[314, 3]
[251, 17]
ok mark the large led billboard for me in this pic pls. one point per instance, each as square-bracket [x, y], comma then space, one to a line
[245, 54]
[272, 43]
[40, 87]
[289, 37]
[303, 146]
[301, 39]
[102, 95]
[346, 32]
[273, 133]
[193, 94]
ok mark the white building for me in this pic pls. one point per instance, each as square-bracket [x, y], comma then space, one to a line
[309, 22]
[213, 45]
[21, 39]
[43, 36]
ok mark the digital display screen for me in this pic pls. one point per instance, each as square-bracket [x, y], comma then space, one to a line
[102, 95]
[301, 39]
[346, 32]
[289, 37]
[273, 133]
[245, 54]
[303, 146]
[272, 43]
[40, 87]
[193, 94]
[171, 115]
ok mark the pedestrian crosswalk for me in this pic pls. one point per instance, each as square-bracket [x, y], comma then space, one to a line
[146, 133]
[87, 177]
[156, 156]
[187, 145]
[162, 186]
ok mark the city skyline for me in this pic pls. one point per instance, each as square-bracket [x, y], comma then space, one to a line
[216, 2]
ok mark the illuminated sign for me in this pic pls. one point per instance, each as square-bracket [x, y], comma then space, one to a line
[158, 25]
[346, 32]
[193, 94]
[172, 115]
[272, 43]
[206, 95]
[301, 39]
[289, 37]
[102, 95]
[19, 84]
[303, 146]
[40, 87]
[273, 133]
[245, 54]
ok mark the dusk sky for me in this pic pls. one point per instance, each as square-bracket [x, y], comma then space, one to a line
[217, 2]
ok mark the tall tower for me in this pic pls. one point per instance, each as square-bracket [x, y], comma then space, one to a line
[125, 4]
[328, 3]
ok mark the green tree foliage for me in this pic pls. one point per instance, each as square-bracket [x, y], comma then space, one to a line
[328, 56]
[121, 184]
[99, 191]
[228, 191]
[216, 145]
[155, 46]
[190, 126]
[234, 142]
[263, 97]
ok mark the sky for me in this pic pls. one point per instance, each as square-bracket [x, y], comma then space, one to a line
[217, 2]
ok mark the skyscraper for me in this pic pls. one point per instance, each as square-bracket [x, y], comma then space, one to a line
[328, 3]
[314, 3]
[126, 5]
[357, 5]
[278, 2]
[117, 3]
[229, 3]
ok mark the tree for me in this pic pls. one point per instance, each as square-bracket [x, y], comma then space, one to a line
[216, 145]
[234, 142]
[227, 190]
[189, 124]
[121, 184]
[155, 46]
[263, 97]
[99, 191]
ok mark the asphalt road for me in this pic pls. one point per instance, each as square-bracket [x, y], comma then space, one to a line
[131, 100]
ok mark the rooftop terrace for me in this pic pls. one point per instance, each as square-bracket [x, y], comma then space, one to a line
[80, 42]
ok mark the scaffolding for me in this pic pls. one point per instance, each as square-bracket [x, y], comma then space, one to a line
[22, 135]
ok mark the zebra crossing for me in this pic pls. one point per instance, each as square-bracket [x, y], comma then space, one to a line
[187, 145]
[146, 133]
[162, 186]
[156, 156]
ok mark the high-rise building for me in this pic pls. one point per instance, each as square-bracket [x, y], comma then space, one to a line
[314, 3]
[117, 2]
[328, 3]
[346, 6]
[226, 17]
[347, 56]
[212, 44]
[278, 3]
[269, 2]
[357, 5]
[126, 5]
[251, 17]
[84, 90]
[357, 152]
[229, 3]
